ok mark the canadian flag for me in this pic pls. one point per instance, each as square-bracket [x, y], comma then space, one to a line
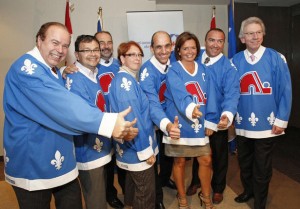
[213, 19]
[70, 59]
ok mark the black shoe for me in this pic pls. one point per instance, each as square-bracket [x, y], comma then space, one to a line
[160, 205]
[244, 197]
[115, 203]
[171, 184]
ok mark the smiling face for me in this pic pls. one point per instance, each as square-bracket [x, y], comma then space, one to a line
[88, 54]
[214, 43]
[55, 45]
[253, 37]
[132, 58]
[162, 47]
[106, 45]
[188, 51]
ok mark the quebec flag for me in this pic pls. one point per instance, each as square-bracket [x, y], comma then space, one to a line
[231, 31]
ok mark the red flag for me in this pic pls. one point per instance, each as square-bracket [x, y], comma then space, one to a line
[213, 19]
[70, 59]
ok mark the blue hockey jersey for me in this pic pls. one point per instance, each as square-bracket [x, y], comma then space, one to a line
[92, 150]
[125, 91]
[39, 124]
[266, 94]
[184, 92]
[153, 83]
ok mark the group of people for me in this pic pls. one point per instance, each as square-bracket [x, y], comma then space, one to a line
[177, 105]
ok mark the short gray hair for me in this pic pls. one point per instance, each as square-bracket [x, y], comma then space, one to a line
[249, 21]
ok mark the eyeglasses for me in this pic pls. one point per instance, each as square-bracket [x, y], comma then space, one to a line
[258, 33]
[90, 51]
[134, 55]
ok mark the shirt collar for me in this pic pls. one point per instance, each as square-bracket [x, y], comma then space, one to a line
[258, 54]
[158, 65]
[212, 60]
[35, 52]
[92, 75]
[110, 61]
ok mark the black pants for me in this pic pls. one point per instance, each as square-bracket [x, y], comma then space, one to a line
[255, 161]
[219, 147]
[111, 191]
[66, 196]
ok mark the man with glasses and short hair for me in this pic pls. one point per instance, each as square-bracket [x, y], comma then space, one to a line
[152, 81]
[263, 110]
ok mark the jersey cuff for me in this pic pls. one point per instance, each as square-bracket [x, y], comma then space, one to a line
[163, 125]
[229, 116]
[280, 123]
[210, 125]
[189, 111]
[107, 124]
[145, 154]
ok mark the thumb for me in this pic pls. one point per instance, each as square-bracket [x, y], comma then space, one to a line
[125, 112]
[176, 121]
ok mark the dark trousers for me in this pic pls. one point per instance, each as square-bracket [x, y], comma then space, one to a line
[158, 188]
[140, 189]
[111, 191]
[255, 161]
[219, 147]
[66, 196]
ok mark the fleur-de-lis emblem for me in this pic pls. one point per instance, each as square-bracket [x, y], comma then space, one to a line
[272, 118]
[253, 119]
[126, 84]
[6, 159]
[68, 84]
[57, 162]
[196, 126]
[98, 145]
[144, 74]
[28, 67]
[238, 118]
[119, 150]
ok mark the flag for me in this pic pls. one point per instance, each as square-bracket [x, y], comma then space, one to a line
[70, 59]
[231, 31]
[99, 22]
[213, 19]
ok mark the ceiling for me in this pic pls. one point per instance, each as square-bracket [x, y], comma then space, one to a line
[281, 3]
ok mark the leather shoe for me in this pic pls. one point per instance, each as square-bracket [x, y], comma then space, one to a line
[160, 205]
[192, 189]
[244, 197]
[115, 203]
[171, 184]
[217, 198]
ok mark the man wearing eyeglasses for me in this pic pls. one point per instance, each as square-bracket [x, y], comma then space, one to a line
[152, 81]
[225, 78]
[263, 110]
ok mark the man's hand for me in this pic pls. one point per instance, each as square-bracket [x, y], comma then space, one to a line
[208, 132]
[223, 123]
[196, 112]
[122, 127]
[132, 133]
[173, 129]
[151, 160]
[277, 130]
[69, 70]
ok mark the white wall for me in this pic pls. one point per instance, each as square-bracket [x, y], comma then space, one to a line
[20, 21]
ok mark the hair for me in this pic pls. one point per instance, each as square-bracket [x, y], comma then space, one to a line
[105, 32]
[157, 32]
[249, 21]
[84, 39]
[44, 28]
[181, 39]
[214, 29]
[125, 46]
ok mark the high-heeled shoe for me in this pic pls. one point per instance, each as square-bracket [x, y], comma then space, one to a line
[206, 200]
[182, 202]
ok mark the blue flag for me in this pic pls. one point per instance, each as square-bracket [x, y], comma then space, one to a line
[231, 32]
[99, 24]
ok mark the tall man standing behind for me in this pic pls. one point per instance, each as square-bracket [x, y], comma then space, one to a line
[225, 78]
[39, 125]
[263, 110]
[152, 81]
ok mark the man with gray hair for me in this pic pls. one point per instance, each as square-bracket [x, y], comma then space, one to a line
[263, 110]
